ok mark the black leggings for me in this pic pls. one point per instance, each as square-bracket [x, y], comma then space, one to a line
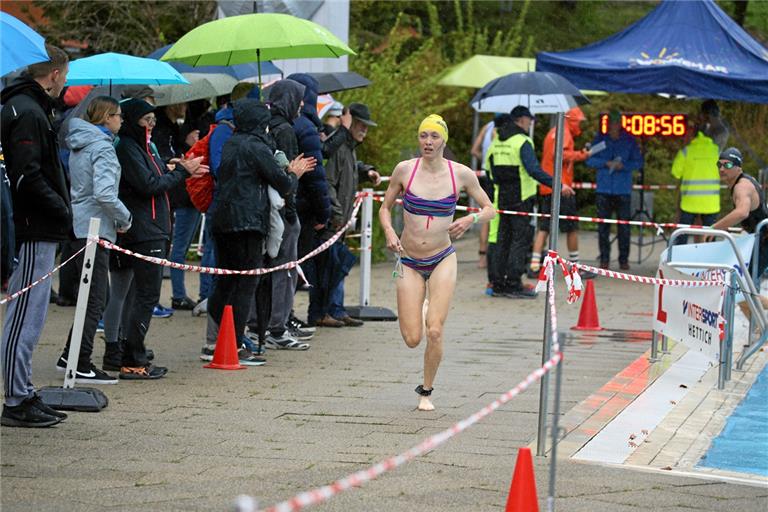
[235, 251]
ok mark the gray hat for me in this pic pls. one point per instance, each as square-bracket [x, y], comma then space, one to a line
[362, 113]
[732, 155]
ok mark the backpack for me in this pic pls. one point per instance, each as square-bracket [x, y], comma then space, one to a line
[200, 189]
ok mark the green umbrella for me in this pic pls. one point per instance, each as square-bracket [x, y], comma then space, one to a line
[201, 86]
[477, 71]
[253, 38]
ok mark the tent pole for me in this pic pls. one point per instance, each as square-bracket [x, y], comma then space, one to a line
[258, 63]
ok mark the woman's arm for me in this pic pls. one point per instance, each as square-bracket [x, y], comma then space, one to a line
[468, 180]
[385, 212]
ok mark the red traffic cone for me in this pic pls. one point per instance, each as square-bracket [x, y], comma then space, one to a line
[588, 320]
[522, 492]
[225, 356]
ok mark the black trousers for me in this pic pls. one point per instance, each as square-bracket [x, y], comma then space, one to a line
[512, 245]
[147, 280]
[97, 298]
[236, 251]
[69, 275]
[607, 204]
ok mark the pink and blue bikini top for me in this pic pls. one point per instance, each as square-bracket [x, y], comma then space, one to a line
[430, 208]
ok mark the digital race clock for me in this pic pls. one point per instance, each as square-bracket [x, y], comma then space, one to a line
[648, 124]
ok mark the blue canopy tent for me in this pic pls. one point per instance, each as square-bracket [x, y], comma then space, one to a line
[684, 48]
[239, 71]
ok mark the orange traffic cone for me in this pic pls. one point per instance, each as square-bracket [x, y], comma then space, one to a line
[225, 355]
[588, 320]
[522, 492]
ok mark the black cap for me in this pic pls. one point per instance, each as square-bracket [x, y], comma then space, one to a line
[732, 155]
[361, 112]
[521, 111]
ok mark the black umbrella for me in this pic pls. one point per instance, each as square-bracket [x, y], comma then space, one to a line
[542, 93]
[339, 81]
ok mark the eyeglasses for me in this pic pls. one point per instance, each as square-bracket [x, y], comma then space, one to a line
[150, 119]
[727, 165]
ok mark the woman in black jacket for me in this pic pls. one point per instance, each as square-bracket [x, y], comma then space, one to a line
[144, 187]
[241, 222]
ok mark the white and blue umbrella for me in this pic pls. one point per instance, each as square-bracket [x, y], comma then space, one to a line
[21, 46]
[541, 92]
[117, 68]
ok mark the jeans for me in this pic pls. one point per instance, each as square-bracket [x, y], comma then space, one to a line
[184, 226]
[707, 219]
[148, 279]
[336, 309]
[208, 259]
[606, 205]
[236, 251]
[97, 297]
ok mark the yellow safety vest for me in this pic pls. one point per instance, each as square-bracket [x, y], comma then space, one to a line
[696, 167]
[507, 153]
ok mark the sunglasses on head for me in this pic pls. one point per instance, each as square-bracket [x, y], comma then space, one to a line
[727, 165]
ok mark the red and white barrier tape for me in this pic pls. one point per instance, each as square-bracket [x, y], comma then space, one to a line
[46, 276]
[321, 494]
[326, 492]
[659, 226]
[253, 272]
[571, 276]
[680, 283]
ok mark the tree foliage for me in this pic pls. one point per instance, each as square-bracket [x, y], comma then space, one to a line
[131, 27]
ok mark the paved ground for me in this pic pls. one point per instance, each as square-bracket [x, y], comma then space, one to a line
[199, 438]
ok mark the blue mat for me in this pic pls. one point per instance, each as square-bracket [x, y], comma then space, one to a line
[743, 444]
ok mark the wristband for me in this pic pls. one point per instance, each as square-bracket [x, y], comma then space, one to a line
[475, 218]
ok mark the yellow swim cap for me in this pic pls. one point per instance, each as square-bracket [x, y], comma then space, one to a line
[434, 123]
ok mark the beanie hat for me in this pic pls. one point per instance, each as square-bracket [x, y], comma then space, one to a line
[732, 155]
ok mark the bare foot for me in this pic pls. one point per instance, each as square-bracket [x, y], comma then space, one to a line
[425, 404]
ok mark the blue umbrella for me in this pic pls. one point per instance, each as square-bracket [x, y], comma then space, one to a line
[239, 71]
[21, 46]
[116, 68]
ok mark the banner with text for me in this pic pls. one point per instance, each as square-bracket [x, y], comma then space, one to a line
[689, 315]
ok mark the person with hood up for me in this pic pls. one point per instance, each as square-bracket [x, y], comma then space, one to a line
[285, 99]
[144, 189]
[95, 174]
[572, 128]
[312, 202]
[42, 217]
[241, 222]
[515, 170]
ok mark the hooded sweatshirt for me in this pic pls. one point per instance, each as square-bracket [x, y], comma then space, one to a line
[95, 174]
[247, 167]
[144, 184]
[285, 98]
[312, 201]
[39, 186]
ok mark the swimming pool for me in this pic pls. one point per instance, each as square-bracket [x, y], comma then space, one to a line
[743, 443]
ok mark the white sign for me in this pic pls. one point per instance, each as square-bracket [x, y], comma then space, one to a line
[689, 315]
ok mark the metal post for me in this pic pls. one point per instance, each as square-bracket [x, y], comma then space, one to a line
[82, 305]
[555, 430]
[756, 278]
[366, 242]
[730, 315]
[664, 344]
[654, 347]
[475, 131]
[557, 180]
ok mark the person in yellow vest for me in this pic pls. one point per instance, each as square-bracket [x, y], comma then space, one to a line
[515, 171]
[696, 167]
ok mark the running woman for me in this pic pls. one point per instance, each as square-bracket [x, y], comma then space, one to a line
[429, 187]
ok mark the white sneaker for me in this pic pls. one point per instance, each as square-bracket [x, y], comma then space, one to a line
[285, 342]
[201, 308]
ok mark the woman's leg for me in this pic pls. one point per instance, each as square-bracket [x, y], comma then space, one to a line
[411, 290]
[119, 285]
[441, 285]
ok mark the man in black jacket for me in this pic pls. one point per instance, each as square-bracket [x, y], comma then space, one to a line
[43, 218]
[242, 216]
[285, 98]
